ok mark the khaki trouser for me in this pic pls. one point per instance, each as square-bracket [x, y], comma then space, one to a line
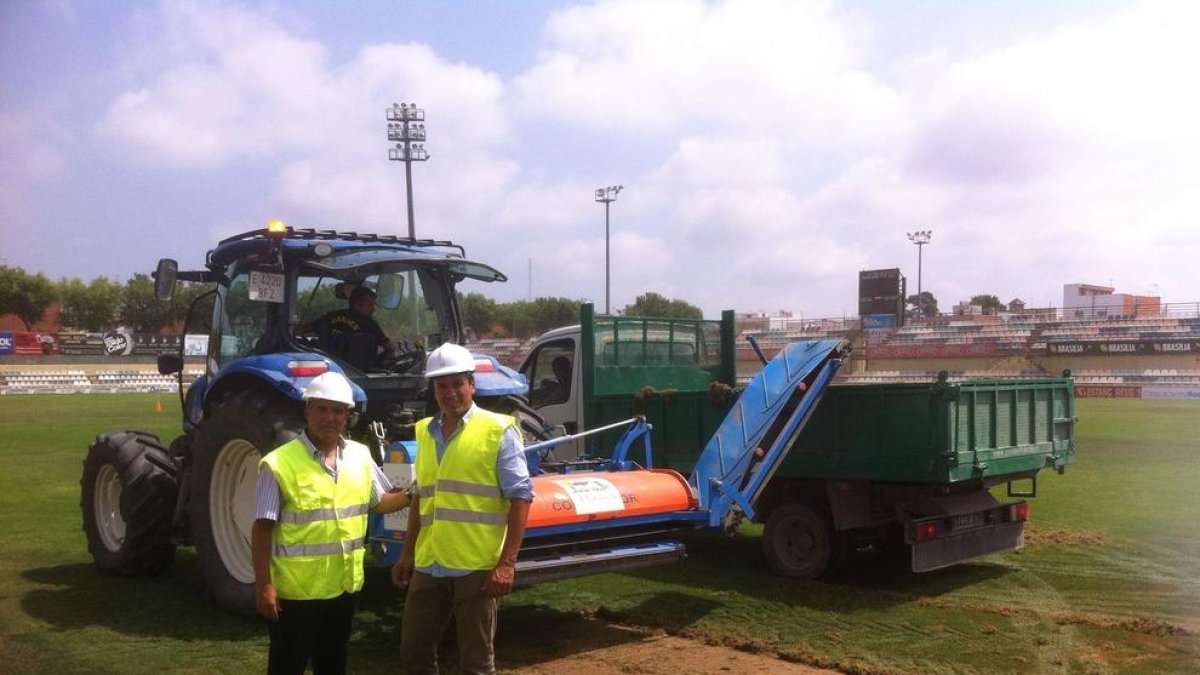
[427, 609]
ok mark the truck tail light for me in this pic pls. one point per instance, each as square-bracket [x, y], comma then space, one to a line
[306, 368]
[925, 531]
[1020, 511]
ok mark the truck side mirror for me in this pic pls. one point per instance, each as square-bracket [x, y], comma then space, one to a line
[164, 278]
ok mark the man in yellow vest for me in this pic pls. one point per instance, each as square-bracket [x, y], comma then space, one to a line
[468, 519]
[310, 525]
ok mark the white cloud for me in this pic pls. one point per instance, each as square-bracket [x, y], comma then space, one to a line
[766, 162]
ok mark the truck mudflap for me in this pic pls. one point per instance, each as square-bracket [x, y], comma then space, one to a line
[942, 541]
[758, 432]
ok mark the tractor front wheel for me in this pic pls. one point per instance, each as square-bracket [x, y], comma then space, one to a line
[228, 447]
[127, 496]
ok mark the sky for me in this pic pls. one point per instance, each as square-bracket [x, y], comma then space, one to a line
[769, 150]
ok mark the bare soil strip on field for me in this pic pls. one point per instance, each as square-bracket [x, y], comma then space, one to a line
[593, 646]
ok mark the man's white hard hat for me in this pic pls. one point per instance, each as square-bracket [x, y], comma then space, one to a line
[330, 387]
[449, 359]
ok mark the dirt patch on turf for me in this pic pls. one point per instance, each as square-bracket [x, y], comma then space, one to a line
[1139, 624]
[1051, 536]
[590, 645]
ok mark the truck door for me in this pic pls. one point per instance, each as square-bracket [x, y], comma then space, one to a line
[553, 373]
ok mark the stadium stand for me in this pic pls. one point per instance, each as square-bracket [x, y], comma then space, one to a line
[80, 381]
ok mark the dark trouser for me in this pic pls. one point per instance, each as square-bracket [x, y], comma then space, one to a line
[427, 609]
[319, 629]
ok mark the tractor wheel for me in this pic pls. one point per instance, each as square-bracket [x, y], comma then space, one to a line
[534, 427]
[228, 446]
[127, 495]
[798, 541]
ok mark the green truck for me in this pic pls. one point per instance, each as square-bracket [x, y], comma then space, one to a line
[906, 469]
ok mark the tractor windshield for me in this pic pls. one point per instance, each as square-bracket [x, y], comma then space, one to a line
[408, 315]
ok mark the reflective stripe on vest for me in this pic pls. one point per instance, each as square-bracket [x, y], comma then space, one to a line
[463, 513]
[318, 542]
[296, 550]
[301, 517]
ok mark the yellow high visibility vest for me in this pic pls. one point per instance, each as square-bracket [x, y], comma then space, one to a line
[318, 543]
[464, 516]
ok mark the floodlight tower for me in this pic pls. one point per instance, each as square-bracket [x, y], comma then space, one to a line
[409, 136]
[919, 238]
[607, 195]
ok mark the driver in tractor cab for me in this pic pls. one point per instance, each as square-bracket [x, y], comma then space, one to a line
[337, 327]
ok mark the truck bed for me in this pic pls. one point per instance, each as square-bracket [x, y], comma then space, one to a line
[937, 433]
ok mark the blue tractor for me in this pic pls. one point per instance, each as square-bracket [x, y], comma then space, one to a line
[273, 290]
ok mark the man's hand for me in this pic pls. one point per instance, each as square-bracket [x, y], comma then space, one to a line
[500, 580]
[402, 571]
[267, 601]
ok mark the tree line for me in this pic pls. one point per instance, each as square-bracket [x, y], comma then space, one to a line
[102, 304]
[926, 305]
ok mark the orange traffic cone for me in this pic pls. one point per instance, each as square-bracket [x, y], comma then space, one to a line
[158, 406]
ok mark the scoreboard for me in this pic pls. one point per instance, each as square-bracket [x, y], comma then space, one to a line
[881, 292]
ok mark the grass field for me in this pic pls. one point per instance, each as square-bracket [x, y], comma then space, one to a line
[1109, 582]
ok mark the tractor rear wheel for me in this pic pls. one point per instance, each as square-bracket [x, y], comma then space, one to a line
[228, 446]
[127, 496]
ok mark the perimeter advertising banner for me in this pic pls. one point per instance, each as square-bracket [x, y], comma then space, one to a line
[1124, 347]
[1108, 391]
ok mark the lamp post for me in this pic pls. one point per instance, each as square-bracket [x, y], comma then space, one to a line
[409, 136]
[607, 195]
[920, 238]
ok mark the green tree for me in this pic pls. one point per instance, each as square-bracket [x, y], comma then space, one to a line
[140, 309]
[527, 318]
[479, 312]
[27, 296]
[990, 303]
[922, 305]
[89, 306]
[654, 304]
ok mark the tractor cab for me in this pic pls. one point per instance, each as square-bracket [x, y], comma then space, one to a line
[291, 303]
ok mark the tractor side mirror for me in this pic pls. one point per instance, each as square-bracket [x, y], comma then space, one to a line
[164, 278]
[169, 364]
[389, 291]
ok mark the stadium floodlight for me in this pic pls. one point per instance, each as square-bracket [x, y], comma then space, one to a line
[403, 130]
[919, 238]
[607, 195]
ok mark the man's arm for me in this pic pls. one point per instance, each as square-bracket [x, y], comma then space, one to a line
[403, 569]
[392, 502]
[385, 499]
[266, 600]
[500, 581]
[267, 500]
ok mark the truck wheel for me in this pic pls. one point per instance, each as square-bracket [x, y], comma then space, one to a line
[797, 541]
[127, 496]
[228, 447]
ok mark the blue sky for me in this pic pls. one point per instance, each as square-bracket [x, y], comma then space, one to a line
[769, 149]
